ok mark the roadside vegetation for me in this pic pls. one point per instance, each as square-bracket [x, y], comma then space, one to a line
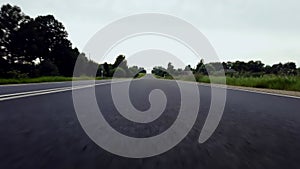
[46, 79]
[248, 74]
[55, 79]
[140, 75]
[38, 50]
[291, 83]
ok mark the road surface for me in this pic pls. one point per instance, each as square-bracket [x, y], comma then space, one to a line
[42, 130]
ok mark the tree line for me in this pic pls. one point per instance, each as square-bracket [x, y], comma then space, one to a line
[237, 68]
[119, 69]
[33, 47]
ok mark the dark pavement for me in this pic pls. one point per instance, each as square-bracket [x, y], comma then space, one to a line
[256, 131]
[9, 89]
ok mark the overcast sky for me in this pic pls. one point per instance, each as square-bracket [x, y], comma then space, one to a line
[266, 30]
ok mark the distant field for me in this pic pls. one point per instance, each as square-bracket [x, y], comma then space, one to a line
[281, 83]
[269, 82]
[290, 83]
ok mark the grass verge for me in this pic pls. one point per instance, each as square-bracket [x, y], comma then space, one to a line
[46, 79]
[53, 79]
[289, 83]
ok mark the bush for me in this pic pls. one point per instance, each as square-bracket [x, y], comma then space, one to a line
[119, 72]
[16, 74]
[48, 68]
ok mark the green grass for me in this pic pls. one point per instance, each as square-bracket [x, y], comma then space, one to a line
[270, 82]
[290, 83]
[52, 79]
[35, 80]
[45, 79]
[140, 75]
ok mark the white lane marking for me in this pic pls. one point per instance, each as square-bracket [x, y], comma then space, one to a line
[42, 93]
[37, 91]
[48, 91]
[56, 90]
[29, 92]
[25, 84]
[42, 83]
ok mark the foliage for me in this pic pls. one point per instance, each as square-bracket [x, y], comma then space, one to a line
[119, 69]
[35, 80]
[32, 46]
[159, 71]
[291, 83]
[139, 75]
[119, 72]
[48, 68]
[250, 74]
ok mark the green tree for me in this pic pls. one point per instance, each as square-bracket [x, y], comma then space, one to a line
[188, 68]
[42, 36]
[200, 68]
[276, 68]
[65, 59]
[255, 67]
[159, 71]
[170, 68]
[45, 38]
[135, 70]
[289, 69]
[10, 19]
[121, 62]
[48, 68]
[106, 69]
[120, 72]
[4, 67]
[210, 68]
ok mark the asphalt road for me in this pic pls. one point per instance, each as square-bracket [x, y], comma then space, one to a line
[42, 131]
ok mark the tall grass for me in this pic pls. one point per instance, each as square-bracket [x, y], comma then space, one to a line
[291, 83]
